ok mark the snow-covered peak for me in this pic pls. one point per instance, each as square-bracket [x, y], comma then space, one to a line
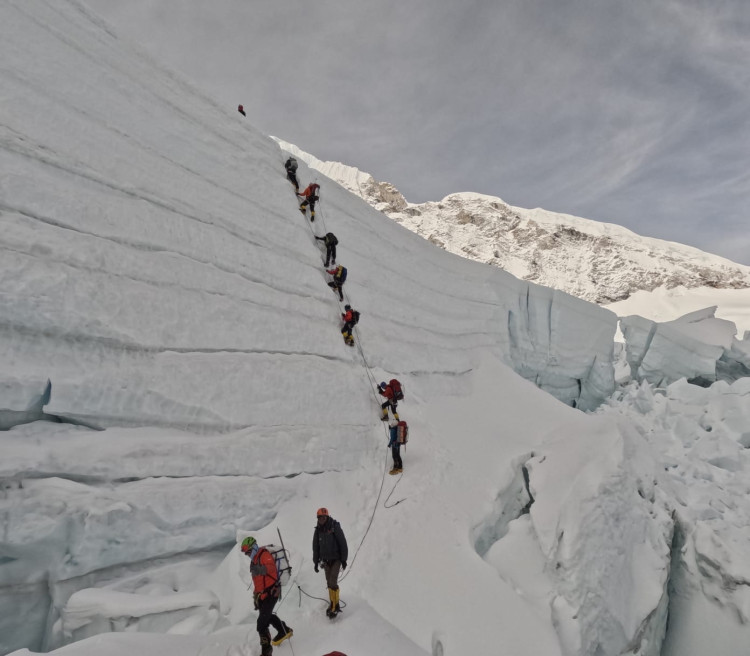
[600, 262]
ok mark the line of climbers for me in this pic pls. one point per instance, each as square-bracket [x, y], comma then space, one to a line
[392, 391]
[268, 564]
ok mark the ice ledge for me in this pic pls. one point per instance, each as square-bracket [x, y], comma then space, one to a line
[697, 346]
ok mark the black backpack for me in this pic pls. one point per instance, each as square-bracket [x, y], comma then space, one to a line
[355, 317]
[291, 164]
[331, 239]
[340, 277]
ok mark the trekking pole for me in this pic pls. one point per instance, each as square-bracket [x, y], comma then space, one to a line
[287, 555]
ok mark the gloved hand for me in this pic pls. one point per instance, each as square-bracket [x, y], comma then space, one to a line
[316, 568]
[256, 600]
[343, 565]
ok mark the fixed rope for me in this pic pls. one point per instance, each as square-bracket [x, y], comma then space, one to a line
[320, 220]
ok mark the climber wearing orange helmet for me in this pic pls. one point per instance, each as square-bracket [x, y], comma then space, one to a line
[329, 548]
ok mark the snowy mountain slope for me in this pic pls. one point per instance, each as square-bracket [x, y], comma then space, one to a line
[599, 262]
[155, 268]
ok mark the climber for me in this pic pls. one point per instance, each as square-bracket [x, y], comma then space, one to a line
[395, 443]
[350, 318]
[393, 394]
[266, 592]
[291, 172]
[310, 195]
[330, 241]
[339, 278]
[329, 548]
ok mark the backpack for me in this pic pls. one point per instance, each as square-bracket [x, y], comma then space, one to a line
[331, 239]
[283, 568]
[398, 392]
[402, 432]
[355, 317]
[291, 164]
[340, 275]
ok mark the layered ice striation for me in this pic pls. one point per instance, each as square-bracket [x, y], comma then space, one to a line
[152, 259]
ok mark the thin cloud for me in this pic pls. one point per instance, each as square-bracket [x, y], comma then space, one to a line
[631, 112]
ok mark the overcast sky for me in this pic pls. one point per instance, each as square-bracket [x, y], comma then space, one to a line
[634, 112]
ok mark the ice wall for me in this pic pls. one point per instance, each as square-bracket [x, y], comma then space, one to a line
[697, 346]
[153, 257]
[702, 437]
[155, 270]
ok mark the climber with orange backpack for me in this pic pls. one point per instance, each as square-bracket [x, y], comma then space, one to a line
[393, 393]
[399, 434]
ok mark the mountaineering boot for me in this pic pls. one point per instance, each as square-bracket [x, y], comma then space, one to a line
[265, 644]
[336, 608]
[395, 470]
[329, 611]
[280, 637]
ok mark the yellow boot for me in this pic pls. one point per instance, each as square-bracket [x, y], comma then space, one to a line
[332, 597]
[336, 607]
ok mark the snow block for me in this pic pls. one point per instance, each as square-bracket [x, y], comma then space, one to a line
[688, 347]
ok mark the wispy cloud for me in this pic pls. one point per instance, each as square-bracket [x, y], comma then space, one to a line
[634, 112]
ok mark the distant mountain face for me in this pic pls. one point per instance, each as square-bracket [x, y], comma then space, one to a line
[599, 262]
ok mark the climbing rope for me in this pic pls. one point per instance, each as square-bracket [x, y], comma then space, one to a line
[320, 220]
[307, 594]
[393, 505]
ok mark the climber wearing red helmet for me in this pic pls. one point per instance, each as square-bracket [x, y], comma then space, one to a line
[330, 548]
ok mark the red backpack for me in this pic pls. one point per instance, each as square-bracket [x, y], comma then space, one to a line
[398, 392]
[402, 432]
